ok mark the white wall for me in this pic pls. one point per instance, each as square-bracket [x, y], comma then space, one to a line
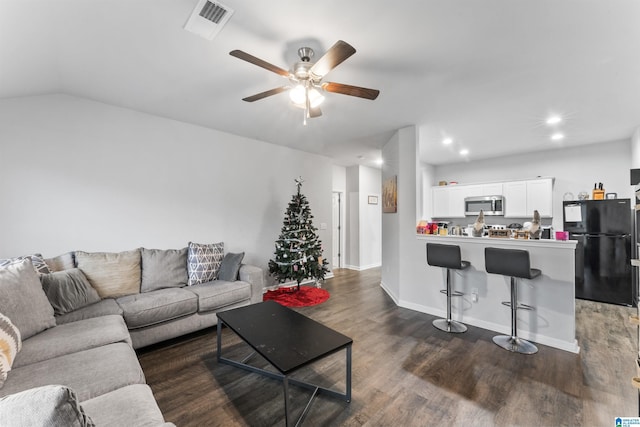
[339, 179]
[635, 149]
[364, 231]
[370, 218]
[574, 169]
[81, 175]
[403, 256]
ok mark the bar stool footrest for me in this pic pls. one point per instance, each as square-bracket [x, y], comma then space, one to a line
[520, 306]
[453, 293]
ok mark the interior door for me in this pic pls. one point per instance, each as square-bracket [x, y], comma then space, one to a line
[337, 230]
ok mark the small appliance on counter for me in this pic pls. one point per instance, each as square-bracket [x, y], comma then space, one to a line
[598, 191]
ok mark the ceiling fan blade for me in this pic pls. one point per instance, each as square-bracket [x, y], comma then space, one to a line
[259, 62]
[264, 94]
[315, 112]
[361, 92]
[332, 58]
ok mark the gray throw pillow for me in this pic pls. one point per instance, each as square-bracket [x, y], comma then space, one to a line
[68, 290]
[51, 405]
[230, 267]
[36, 259]
[204, 262]
[111, 274]
[163, 268]
[22, 299]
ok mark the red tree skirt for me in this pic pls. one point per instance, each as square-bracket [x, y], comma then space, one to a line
[290, 297]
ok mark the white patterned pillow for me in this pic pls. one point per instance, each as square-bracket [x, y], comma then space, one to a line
[203, 262]
[36, 259]
[10, 345]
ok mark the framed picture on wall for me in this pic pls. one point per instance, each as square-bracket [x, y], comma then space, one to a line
[390, 195]
[373, 200]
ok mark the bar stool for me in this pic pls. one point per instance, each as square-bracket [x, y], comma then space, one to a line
[447, 256]
[514, 263]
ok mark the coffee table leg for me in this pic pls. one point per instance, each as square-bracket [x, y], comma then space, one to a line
[287, 406]
[219, 339]
[348, 391]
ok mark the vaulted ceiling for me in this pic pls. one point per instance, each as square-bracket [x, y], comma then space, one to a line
[485, 73]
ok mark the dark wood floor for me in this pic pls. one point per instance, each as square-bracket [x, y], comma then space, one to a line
[407, 373]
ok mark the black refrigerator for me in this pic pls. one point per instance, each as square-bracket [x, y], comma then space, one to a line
[603, 229]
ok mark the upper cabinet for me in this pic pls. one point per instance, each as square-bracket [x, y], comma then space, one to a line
[521, 198]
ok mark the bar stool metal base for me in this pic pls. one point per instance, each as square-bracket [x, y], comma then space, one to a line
[515, 344]
[449, 326]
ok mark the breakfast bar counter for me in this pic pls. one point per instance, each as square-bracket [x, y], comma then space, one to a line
[552, 323]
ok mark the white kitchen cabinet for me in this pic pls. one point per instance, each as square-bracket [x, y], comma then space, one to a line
[440, 202]
[515, 199]
[540, 197]
[521, 198]
[456, 199]
[494, 189]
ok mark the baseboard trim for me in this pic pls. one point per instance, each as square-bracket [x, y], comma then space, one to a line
[358, 268]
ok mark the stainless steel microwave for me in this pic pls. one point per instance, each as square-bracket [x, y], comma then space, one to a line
[489, 205]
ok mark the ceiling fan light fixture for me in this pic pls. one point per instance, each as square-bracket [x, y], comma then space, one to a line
[298, 96]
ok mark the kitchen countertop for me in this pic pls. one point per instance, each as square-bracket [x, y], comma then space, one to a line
[569, 244]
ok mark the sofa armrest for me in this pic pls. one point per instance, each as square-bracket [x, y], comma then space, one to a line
[255, 277]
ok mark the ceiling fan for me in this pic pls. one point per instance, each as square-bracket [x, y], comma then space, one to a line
[306, 85]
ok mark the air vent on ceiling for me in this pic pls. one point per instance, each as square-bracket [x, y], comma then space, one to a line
[208, 18]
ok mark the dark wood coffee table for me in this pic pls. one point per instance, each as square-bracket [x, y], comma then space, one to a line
[287, 340]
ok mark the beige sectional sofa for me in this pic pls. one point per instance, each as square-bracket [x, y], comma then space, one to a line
[82, 319]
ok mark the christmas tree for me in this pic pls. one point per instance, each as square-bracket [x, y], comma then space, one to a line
[298, 254]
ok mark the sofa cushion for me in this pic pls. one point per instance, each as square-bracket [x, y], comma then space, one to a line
[219, 293]
[61, 262]
[204, 262]
[103, 307]
[36, 259]
[230, 266]
[52, 405]
[10, 345]
[133, 405]
[22, 299]
[72, 338]
[68, 290]
[150, 308]
[163, 268]
[111, 274]
[89, 373]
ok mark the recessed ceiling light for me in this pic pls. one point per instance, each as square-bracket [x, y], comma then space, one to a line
[379, 161]
[447, 141]
[557, 136]
[553, 120]
[464, 152]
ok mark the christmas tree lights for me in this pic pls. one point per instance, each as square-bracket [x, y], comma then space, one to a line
[298, 250]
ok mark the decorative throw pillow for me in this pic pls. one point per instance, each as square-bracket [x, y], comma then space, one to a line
[204, 262]
[68, 290]
[111, 274]
[10, 345]
[50, 405]
[163, 268]
[230, 267]
[61, 262]
[36, 259]
[22, 299]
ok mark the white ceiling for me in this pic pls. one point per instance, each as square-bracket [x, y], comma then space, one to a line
[483, 72]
